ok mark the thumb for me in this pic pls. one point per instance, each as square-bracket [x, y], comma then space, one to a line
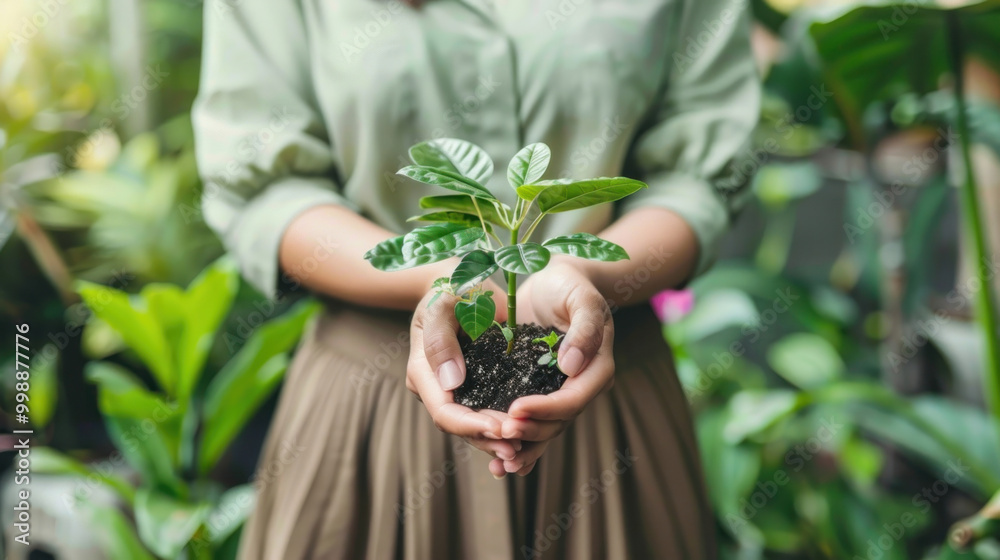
[588, 312]
[441, 348]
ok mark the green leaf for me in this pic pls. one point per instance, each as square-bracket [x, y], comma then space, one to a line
[388, 255]
[730, 470]
[528, 165]
[777, 185]
[247, 379]
[116, 534]
[206, 304]
[440, 241]
[165, 303]
[755, 410]
[424, 245]
[580, 194]
[806, 360]
[454, 155]
[476, 316]
[586, 246]
[508, 333]
[121, 394]
[865, 63]
[45, 460]
[145, 427]
[550, 339]
[468, 220]
[523, 258]
[137, 326]
[474, 269]
[149, 448]
[43, 391]
[448, 180]
[232, 510]
[717, 310]
[463, 204]
[530, 191]
[165, 524]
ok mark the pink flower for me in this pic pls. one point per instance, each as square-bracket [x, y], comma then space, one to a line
[671, 305]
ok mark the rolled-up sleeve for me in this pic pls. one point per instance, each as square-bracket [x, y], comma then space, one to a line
[710, 107]
[262, 150]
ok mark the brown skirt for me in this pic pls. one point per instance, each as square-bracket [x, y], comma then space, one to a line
[354, 468]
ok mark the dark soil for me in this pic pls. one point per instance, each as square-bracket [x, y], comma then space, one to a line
[494, 379]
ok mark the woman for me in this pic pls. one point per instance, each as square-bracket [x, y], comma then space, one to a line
[306, 111]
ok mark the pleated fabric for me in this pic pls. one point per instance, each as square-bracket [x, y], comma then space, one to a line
[354, 468]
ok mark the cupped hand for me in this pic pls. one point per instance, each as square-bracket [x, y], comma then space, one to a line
[560, 296]
[436, 367]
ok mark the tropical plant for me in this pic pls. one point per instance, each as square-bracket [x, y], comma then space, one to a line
[466, 225]
[174, 434]
[794, 434]
[873, 64]
[869, 64]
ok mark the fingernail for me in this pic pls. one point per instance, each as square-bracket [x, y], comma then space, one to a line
[492, 435]
[497, 477]
[449, 375]
[516, 444]
[571, 361]
[505, 455]
[511, 466]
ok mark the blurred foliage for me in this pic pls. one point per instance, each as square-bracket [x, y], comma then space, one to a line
[174, 433]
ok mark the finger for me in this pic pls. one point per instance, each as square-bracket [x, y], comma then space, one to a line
[527, 469]
[526, 458]
[531, 429]
[589, 323]
[502, 417]
[496, 469]
[462, 421]
[448, 416]
[441, 348]
[498, 448]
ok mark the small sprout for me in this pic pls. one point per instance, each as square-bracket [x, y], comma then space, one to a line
[443, 286]
[551, 339]
[547, 359]
[508, 333]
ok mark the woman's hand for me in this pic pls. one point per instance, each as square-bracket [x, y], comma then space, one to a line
[563, 297]
[436, 367]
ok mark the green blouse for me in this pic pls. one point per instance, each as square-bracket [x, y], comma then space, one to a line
[310, 102]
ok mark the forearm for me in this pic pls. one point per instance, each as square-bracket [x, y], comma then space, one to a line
[323, 249]
[663, 251]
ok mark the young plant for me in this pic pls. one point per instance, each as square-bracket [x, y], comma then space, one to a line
[549, 358]
[486, 233]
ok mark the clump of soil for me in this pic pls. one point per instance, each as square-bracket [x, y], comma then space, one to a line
[494, 379]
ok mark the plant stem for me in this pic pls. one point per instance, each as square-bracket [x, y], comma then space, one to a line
[531, 228]
[985, 311]
[482, 222]
[512, 297]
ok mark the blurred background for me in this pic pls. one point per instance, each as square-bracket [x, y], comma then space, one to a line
[847, 398]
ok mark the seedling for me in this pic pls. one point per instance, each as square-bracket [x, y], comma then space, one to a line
[549, 358]
[474, 223]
